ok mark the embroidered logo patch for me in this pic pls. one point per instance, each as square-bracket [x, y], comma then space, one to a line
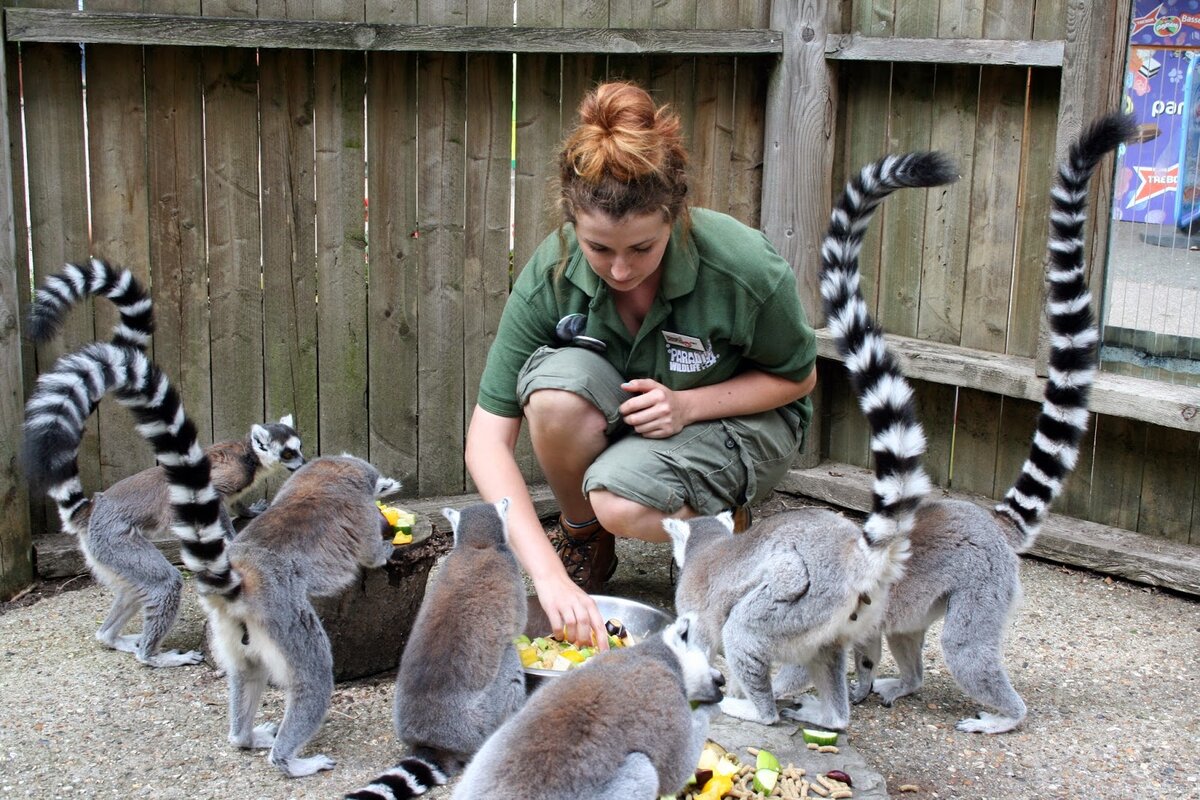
[687, 353]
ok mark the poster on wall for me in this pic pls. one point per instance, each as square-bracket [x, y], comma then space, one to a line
[1164, 39]
[1187, 196]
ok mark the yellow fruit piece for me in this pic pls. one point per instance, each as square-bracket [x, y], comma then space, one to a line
[528, 656]
[391, 514]
[725, 768]
[402, 538]
[716, 788]
[573, 655]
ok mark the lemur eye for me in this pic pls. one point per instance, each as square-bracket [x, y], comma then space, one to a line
[288, 453]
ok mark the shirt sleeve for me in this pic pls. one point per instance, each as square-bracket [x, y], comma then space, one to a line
[781, 341]
[523, 328]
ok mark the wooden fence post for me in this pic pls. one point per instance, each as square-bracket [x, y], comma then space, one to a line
[16, 546]
[801, 124]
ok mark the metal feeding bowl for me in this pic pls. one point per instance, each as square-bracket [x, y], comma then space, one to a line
[639, 619]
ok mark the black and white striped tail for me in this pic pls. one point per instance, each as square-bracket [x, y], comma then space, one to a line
[897, 439]
[1073, 335]
[55, 417]
[61, 291]
[412, 777]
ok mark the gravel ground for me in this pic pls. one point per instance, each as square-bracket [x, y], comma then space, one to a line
[1107, 668]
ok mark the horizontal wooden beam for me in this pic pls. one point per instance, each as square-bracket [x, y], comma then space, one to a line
[856, 47]
[98, 27]
[1112, 551]
[1166, 404]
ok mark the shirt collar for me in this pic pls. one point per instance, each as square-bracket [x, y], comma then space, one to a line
[681, 264]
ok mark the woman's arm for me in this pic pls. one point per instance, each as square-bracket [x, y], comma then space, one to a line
[658, 412]
[491, 441]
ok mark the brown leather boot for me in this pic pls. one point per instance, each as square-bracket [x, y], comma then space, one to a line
[588, 553]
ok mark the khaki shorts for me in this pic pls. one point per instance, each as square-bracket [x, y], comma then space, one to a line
[708, 466]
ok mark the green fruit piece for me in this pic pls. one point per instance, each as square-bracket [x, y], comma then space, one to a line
[764, 780]
[522, 639]
[768, 761]
[818, 737]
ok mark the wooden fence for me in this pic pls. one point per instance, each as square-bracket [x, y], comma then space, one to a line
[320, 200]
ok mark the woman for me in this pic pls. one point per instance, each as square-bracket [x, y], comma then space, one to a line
[685, 392]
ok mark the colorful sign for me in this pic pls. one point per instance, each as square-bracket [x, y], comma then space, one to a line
[1165, 23]
[1148, 171]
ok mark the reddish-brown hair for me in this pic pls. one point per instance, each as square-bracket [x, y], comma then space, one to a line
[625, 156]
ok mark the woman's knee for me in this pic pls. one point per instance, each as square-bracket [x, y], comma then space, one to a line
[551, 409]
[625, 517]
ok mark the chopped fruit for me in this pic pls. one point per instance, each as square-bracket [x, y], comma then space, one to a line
[766, 772]
[553, 652]
[817, 737]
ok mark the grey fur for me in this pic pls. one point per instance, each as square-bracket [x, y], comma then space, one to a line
[620, 728]
[118, 526]
[459, 680]
[798, 597]
[312, 541]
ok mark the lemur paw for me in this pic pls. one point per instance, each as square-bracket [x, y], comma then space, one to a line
[987, 723]
[745, 709]
[891, 689]
[303, 767]
[173, 658]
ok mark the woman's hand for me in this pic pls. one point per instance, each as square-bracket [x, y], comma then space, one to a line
[570, 609]
[656, 412]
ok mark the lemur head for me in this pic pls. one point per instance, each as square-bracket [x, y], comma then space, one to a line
[702, 682]
[681, 531]
[277, 443]
[480, 525]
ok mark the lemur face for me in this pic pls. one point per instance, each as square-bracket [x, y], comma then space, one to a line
[701, 680]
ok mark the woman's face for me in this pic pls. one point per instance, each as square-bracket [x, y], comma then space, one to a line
[624, 252]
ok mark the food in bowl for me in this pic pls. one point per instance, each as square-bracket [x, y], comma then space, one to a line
[555, 653]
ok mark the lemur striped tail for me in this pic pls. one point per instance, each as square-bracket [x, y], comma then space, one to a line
[412, 777]
[1073, 335]
[897, 439]
[63, 290]
[54, 421]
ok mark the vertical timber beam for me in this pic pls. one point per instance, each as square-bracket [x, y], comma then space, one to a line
[1092, 77]
[798, 155]
[16, 545]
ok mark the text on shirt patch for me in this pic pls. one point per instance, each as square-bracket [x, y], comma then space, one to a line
[687, 359]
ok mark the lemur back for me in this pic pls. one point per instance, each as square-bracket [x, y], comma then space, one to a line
[797, 589]
[621, 727]
[322, 528]
[460, 677]
[115, 527]
[963, 564]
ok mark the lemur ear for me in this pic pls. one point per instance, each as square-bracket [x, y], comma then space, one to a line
[502, 507]
[452, 514]
[260, 437]
[726, 519]
[287, 420]
[679, 531]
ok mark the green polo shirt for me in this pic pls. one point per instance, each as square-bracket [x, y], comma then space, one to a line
[727, 303]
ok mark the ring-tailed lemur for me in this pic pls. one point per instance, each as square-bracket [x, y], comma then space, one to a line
[321, 529]
[459, 680]
[631, 723]
[964, 564]
[798, 588]
[115, 527]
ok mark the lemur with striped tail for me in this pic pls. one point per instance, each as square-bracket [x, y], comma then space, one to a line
[964, 566]
[115, 527]
[313, 540]
[458, 681]
[799, 588]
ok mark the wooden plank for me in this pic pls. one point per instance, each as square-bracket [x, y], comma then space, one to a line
[1170, 405]
[874, 18]
[486, 255]
[1076, 499]
[286, 107]
[442, 87]
[341, 239]
[747, 155]
[713, 132]
[859, 47]
[538, 131]
[33, 25]
[1120, 457]
[1008, 19]
[1168, 483]
[976, 439]
[1050, 19]
[916, 20]
[16, 545]
[960, 19]
[1106, 549]
[1033, 217]
[936, 406]
[394, 265]
[1018, 421]
[234, 236]
[57, 207]
[179, 273]
[993, 208]
[948, 209]
[902, 218]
